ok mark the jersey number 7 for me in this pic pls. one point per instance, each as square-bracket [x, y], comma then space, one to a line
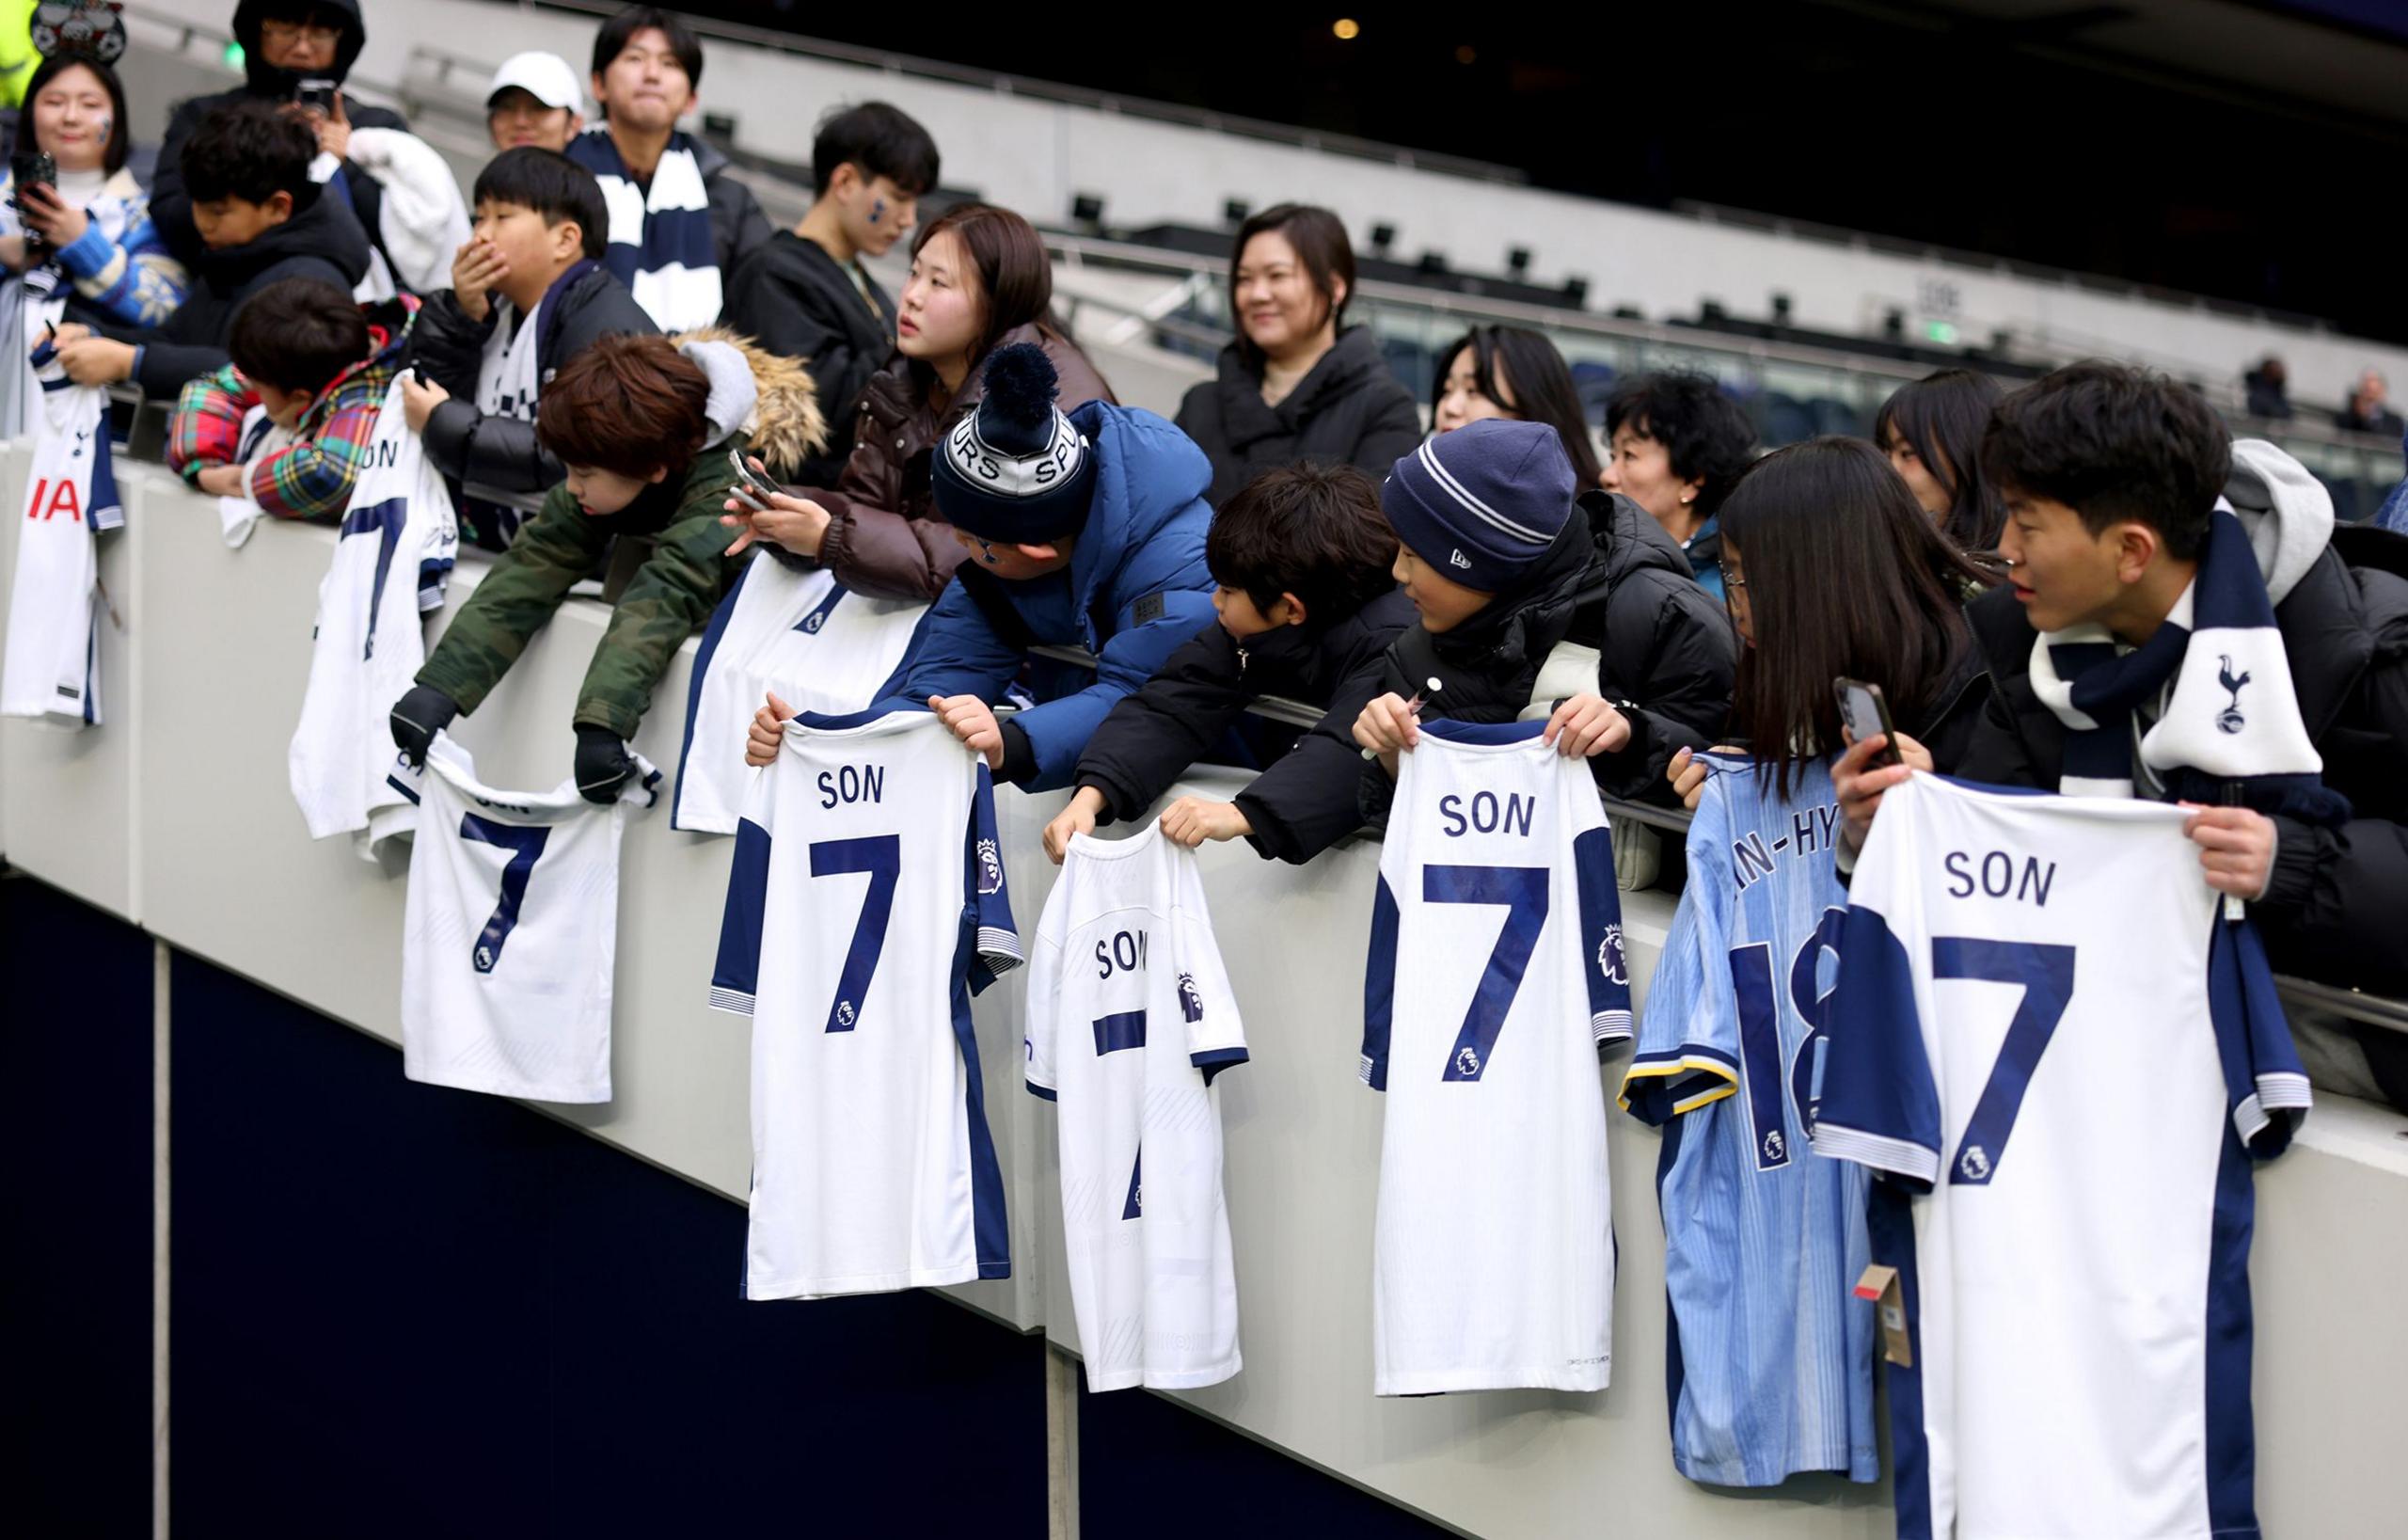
[2045, 974]
[1523, 892]
[524, 845]
[882, 857]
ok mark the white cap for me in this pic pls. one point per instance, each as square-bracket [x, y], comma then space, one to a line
[547, 77]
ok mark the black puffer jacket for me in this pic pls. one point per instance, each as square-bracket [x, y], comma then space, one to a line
[171, 206]
[1351, 409]
[2332, 909]
[1615, 583]
[502, 453]
[1305, 801]
[321, 241]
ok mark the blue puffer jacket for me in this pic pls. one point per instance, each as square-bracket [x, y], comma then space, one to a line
[1137, 588]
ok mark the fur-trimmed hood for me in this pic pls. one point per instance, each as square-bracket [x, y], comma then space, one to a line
[785, 426]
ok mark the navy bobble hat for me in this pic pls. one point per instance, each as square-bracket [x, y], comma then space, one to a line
[1015, 472]
[1483, 503]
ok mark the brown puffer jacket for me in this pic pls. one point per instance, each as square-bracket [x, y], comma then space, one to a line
[885, 537]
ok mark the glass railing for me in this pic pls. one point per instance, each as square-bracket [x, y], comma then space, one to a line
[1792, 390]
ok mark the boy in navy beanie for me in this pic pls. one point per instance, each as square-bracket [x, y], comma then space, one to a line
[1534, 604]
[1083, 530]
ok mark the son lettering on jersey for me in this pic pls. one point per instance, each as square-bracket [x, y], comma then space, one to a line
[1999, 875]
[853, 783]
[1486, 813]
[1812, 830]
[1124, 953]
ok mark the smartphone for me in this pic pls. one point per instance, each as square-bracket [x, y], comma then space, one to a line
[751, 488]
[37, 170]
[1867, 711]
[316, 95]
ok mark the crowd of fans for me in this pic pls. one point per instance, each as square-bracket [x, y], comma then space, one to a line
[608, 313]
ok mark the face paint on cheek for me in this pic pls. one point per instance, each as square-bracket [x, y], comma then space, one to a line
[878, 211]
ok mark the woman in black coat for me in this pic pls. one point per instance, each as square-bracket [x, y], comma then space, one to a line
[1297, 384]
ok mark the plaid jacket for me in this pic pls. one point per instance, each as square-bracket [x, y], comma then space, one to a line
[310, 477]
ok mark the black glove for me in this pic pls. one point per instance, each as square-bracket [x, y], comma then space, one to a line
[418, 717]
[603, 764]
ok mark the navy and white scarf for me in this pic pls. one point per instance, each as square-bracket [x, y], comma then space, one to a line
[661, 244]
[2232, 722]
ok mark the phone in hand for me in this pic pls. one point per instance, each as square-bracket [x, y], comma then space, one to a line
[316, 95]
[35, 169]
[1867, 711]
[751, 488]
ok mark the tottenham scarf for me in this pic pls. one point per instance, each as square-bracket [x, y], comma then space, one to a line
[2230, 730]
[661, 244]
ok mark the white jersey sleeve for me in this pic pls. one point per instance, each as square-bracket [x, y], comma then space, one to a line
[1494, 978]
[52, 668]
[1130, 1018]
[510, 933]
[393, 557]
[794, 631]
[867, 902]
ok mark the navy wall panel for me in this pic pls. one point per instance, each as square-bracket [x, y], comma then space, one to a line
[1150, 1467]
[407, 1311]
[75, 1291]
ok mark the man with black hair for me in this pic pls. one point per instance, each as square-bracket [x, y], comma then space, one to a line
[679, 223]
[529, 294]
[261, 220]
[283, 424]
[804, 293]
[285, 42]
[1676, 445]
[2186, 622]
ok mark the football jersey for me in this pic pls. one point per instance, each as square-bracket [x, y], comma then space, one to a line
[510, 932]
[2064, 1056]
[392, 558]
[866, 905]
[1496, 978]
[52, 668]
[1129, 1017]
[1770, 1352]
[823, 649]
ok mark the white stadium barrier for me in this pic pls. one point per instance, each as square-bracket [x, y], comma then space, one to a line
[176, 815]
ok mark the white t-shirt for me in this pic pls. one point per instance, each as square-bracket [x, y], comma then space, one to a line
[1129, 1017]
[2061, 1057]
[822, 648]
[1495, 976]
[510, 933]
[865, 904]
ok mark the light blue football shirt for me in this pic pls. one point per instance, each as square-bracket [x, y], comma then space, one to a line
[1770, 1356]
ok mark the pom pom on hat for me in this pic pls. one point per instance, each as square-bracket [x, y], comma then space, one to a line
[1015, 470]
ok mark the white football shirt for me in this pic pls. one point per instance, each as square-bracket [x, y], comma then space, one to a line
[797, 631]
[866, 904]
[392, 558]
[510, 933]
[2062, 1056]
[1496, 978]
[52, 668]
[1129, 1017]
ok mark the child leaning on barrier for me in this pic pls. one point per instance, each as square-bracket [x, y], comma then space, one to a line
[645, 426]
[284, 424]
[1308, 606]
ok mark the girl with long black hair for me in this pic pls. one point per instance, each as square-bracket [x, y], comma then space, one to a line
[1831, 570]
[1510, 371]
